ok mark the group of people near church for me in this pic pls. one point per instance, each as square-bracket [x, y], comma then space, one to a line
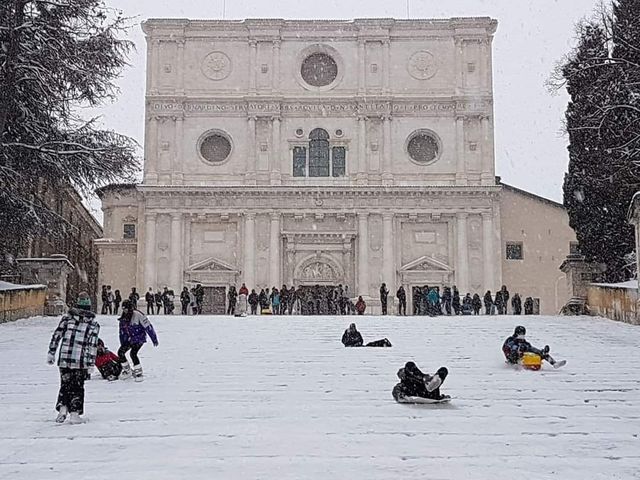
[323, 300]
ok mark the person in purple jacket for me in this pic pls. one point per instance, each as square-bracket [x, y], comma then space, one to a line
[134, 328]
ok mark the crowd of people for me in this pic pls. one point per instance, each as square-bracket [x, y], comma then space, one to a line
[317, 300]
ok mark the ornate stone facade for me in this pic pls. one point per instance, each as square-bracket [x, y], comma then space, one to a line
[313, 152]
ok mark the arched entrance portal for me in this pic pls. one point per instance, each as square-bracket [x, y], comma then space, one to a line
[318, 277]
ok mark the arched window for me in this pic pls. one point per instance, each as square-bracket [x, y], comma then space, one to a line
[318, 153]
[320, 158]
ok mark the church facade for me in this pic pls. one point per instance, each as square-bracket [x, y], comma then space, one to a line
[313, 153]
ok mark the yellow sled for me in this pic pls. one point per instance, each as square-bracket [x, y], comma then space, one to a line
[531, 361]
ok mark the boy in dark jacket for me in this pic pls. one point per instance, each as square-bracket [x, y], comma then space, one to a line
[77, 336]
[516, 345]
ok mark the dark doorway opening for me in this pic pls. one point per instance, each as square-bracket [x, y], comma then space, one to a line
[317, 299]
[213, 302]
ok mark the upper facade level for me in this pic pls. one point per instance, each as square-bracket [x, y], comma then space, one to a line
[272, 101]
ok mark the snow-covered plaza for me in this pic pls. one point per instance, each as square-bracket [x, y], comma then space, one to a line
[281, 398]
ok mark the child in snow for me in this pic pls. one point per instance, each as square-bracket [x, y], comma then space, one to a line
[516, 345]
[361, 305]
[77, 335]
[414, 383]
[134, 328]
[107, 362]
[352, 338]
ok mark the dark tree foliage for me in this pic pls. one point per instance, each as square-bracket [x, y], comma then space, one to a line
[56, 56]
[603, 123]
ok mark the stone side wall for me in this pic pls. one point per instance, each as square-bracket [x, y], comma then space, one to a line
[21, 303]
[618, 303]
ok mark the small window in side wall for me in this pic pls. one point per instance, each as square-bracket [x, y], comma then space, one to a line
[299, 161]
[129, 230]
[574, 248]
[514, 251]
[338, 160]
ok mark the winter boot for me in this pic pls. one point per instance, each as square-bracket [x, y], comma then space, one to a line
[62, 414]
[74, 418]
[137, 373]
[126, 371]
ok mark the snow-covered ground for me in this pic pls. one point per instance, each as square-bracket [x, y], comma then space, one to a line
[280, 398]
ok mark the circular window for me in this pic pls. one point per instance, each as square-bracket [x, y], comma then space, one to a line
[215, 148]
[339, 132]
[319, 69]
[299, 132]
[423, 147]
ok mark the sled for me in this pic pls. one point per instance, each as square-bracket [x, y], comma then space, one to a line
[531, 361]
[239, 315]
[423, 401]
[265, 311]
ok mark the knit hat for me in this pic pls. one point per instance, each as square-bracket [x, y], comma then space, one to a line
[84, 301]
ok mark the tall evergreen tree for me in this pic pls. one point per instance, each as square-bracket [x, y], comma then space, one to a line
[56, 56]
[602, 177]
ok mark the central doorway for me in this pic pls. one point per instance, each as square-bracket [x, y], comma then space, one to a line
[314, 299]
[213, 302]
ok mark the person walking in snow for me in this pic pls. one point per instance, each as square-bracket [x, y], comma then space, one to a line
[134, 327]
[77, 336]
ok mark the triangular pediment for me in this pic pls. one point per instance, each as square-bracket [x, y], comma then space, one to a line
[211, 264]
[426, 263]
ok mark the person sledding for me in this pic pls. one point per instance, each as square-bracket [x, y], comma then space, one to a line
[352, 338]
[517, 350]
[107, 362]
[134, 328]
[415, 385]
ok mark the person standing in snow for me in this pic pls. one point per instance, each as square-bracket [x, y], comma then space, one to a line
[401, 295]
[455, 301]
[134, 296]
[384, 295]
[232, 297]
[110, 299]
[446, 300]
[488, 303]
[516, 304]
[117, 300]
[253, 301]
[528, 306]
[185, 300]
[77, 336]
[502, 300]
[476, 303]
[134, 328]
[361, 306]
[150, 299]
[105, 300]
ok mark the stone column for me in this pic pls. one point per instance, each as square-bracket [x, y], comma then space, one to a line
[151, 151]
[253, 55]
[462, 264]
[386, 69]
[275, 150]
[176, 269]
[180, 73]
[154, 67]
[362, 78]
[388, 255]
[459, 65]
[361, 177]
[186, 246]
[488, 251]
[487, 175]
[250, 168]
[177, 177]
[461, 173]
[275, 78]
[363, 255]
[150, 258]
[249, 250]
[274, 251]
[387, 167]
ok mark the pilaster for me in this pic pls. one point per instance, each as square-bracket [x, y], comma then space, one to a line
[488, 251]
[150, 257]
[176, 268]
[462, 263]
[388, 267]
[151, 151]
[274, 250]
[250, 168]
[249, 249]
[177, 177]
[275, 151]
[461, 169]
[363, 255]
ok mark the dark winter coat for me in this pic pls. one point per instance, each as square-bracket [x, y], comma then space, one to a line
[476, 302]
[456, 300]
[134, 330]
[185, 298]
[516, 304]
[352, 338]
[263, 300]
[253, 298]
[149, 297]
[488, 300]
[528, 306]
[401, 294]
[513, 348]
[361, 306]
[414, 383]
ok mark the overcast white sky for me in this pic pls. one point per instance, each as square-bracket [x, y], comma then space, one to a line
[532, 36]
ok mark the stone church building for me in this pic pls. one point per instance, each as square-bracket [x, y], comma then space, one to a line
[322, 152]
